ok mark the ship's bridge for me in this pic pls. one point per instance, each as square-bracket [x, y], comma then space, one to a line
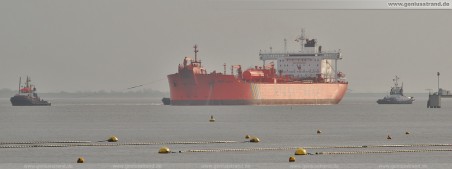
[309, 62]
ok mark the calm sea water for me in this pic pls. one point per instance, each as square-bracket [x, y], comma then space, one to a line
[356, 121]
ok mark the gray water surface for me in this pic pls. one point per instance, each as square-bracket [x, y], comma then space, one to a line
[357, 120]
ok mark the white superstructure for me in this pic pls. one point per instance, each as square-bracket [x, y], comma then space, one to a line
[309, 63]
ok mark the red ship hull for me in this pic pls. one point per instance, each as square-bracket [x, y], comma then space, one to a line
[219, 89]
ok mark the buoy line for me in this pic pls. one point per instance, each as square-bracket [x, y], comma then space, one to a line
[324, 147]
[34, 144]
[411, 145]
[327, 147]
[44, 142]
[383, 145]
[79, 144]
[382, 151]
[178, 142]
[241, 149]
[268, 148]
[39, 145]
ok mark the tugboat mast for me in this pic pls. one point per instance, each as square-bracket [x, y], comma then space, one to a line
[20, 81]
[396, 81]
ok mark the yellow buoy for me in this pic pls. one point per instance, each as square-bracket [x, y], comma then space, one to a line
[212, 119]
[291, 159]
[247, 137]
[80, 160]
[113, 139]
[318, 131]
[254, 140]
[164, 150]
[300, 151]
[389, 137]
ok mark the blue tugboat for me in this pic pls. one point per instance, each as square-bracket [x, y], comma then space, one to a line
[396, 95]
[27, 96]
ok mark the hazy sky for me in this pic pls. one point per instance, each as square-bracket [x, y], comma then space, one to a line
[90, 45]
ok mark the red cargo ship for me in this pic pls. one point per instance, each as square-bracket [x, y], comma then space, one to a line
[303, 77]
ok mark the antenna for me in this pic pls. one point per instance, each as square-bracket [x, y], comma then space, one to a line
[20, 81]
[285, 45]
[302, 34]
[224, 72]
[196, 52]
[396, 81]
[28, 80]
[301, 39]
[438, 82]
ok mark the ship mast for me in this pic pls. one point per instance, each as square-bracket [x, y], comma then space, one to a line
[396, 81]
[301, 39]
[20, 81]
[438, 82]
[285, 45]
[196, 56]
[196, 52]
[224, 65]
[26, 83]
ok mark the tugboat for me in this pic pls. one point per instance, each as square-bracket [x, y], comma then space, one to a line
[396, 95]
[27, 96]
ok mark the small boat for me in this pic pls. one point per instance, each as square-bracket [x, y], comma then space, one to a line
[396, 95]
[444, 93]
[27, 96]
[166, 101]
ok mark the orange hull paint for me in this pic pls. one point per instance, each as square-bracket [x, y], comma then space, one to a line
[218, 89]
